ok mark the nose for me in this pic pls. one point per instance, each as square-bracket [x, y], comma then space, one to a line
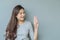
[22, 14]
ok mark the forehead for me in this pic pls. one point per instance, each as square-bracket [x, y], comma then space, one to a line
[21, 10]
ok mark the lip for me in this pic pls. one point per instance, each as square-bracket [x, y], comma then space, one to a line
[22, 17]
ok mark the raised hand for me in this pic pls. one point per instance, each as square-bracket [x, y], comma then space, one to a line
[35, 23]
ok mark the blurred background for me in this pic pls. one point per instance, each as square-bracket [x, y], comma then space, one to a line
[47, 11]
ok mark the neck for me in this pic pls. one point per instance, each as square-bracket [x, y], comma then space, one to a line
[20, 21]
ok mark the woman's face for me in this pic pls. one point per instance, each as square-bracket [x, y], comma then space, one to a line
[21, 15]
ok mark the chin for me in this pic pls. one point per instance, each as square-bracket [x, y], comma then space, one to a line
[21, 19]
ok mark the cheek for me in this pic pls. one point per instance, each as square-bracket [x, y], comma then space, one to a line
[18, 16]
[24, 15]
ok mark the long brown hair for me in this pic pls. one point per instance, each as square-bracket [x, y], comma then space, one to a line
[11, 29]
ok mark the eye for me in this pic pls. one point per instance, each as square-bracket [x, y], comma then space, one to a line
[20, 13]
[23, 12]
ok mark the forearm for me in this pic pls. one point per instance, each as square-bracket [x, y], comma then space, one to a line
[35, 34]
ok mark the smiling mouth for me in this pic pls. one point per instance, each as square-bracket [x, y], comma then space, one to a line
[22, 17]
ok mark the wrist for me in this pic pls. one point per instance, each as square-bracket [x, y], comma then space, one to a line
[35, 30]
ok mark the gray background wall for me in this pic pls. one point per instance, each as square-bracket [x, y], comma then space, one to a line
[47, 11]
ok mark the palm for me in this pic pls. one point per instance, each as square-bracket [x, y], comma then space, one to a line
[35, 23]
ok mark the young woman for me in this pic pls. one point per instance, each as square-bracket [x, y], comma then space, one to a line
[20, 29]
